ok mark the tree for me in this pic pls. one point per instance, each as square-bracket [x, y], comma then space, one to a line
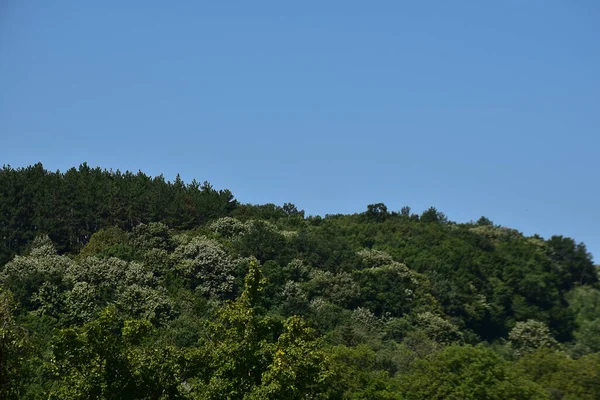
[483, 221]
[292, 210]
[529, 336]
[358, 375]
[241, 359]
[206, 266]
[73, 205]
[340, 289]
[13, 347]
[106, 359]
[377, 212]
[229, 227]
[585, 303]
[573, 260]
[110, 241]
[42, 268]
[438, 329]
[262, 240]
[561, 376]
[466, 373]
[432, 215]
[391, 288]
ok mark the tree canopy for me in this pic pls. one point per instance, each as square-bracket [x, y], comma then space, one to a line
[122, 285]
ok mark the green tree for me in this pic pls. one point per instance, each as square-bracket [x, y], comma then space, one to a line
[529, 336]
[390, 287]
[561, 376]
[377, 212]
[42, 269]
[110, 241]
[433, 215]
[358, 375]
[483, 221]
[573, 260]
[106, 359]
[585, 303]
[13, 349]
[247, 356]
[466, 373]
[206, 266]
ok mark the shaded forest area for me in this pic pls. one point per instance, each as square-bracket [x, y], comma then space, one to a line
[123, 286]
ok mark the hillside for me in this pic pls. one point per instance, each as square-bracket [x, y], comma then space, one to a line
[126, 286]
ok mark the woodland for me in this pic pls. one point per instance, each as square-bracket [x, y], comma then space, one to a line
[119, 285]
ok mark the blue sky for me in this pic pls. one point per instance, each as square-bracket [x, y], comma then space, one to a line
[477, 108]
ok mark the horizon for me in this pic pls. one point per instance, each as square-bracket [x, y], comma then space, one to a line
[307, 214]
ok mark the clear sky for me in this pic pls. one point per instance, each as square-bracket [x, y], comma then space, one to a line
[475, 107]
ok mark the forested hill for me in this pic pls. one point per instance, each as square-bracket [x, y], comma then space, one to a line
[71, 206]
[125, 286]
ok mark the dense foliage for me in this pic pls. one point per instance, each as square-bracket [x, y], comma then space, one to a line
[122, 286]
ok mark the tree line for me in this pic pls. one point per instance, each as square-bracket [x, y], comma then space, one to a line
[71, 206]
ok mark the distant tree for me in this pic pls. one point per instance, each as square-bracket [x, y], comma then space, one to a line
[262, 240]
[246, 356]
[574, 261]
[206, 266]
[483, 221]
[106, 241]
[438, 329]
[432, 215]
[340, 288]
[584, 301]
[388, 287]
[377, 212]
[229, 227]
[466, 373]
[293, 299]
[359, 375]
[154, 235]
[72, 206]
[105, 359]
[561, 376]
[291, 209]
[529, 336]
[42, 269]
[14, 343]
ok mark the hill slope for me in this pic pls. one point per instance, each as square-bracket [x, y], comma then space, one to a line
[126, 286]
